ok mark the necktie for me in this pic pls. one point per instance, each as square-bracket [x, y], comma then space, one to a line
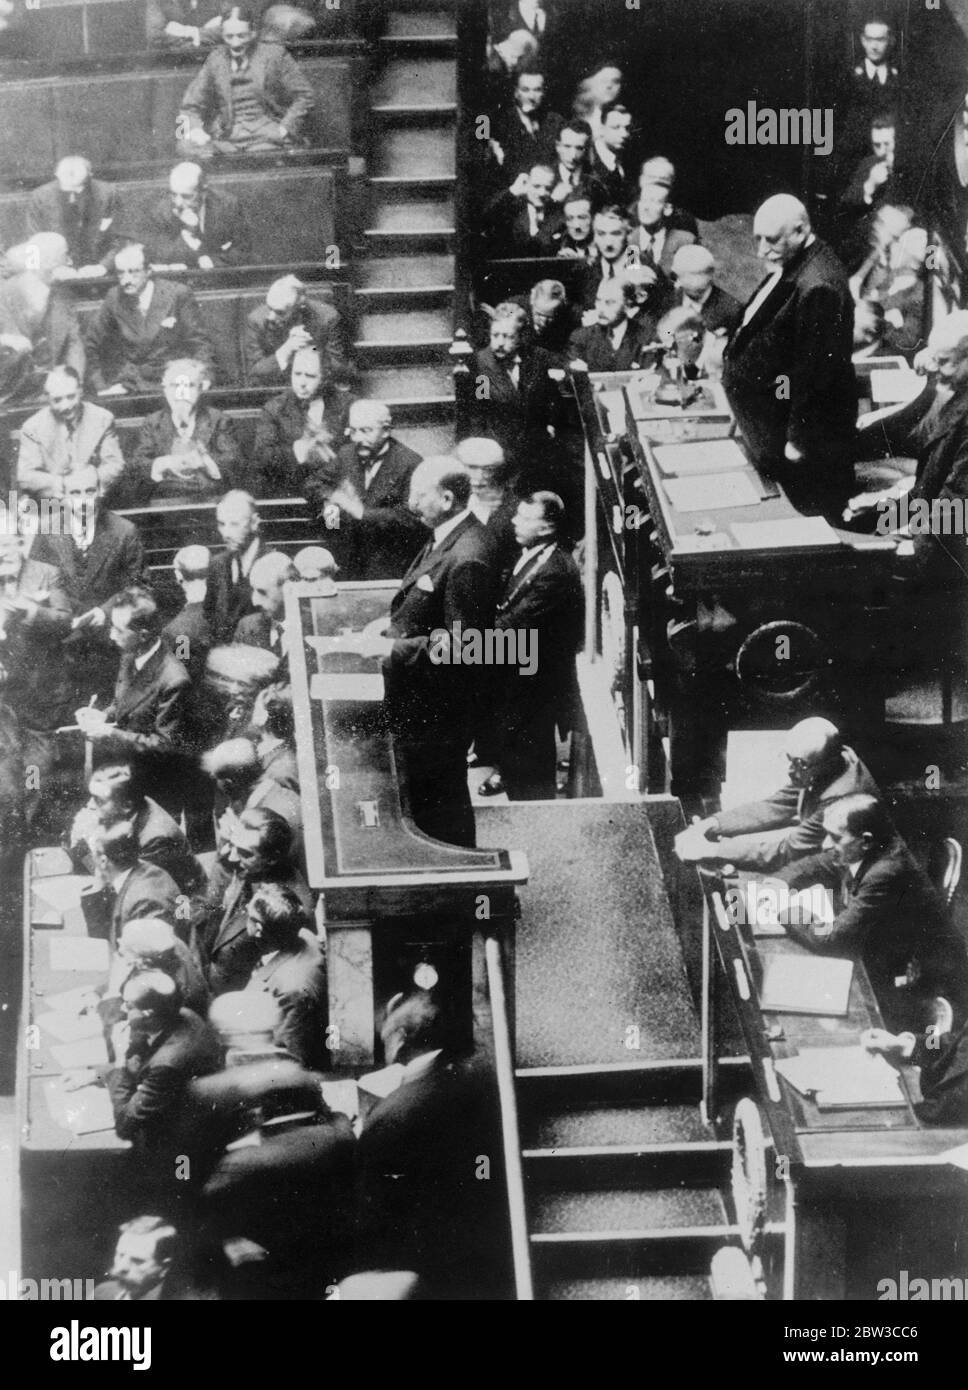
[514, 372]
[236, 572]
[238, 66]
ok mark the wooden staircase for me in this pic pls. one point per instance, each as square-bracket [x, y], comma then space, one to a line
[405, 280]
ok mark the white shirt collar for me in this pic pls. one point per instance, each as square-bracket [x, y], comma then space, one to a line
[146, 296]
[853, 867]
[444, 529]
[880, 70]
[530, 553]
[247, 558]
[145, 657]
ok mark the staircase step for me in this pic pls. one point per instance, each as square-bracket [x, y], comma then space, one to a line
[641, 1166]
[630, 1254]
[408, 213]
[404, 22]
[413, 326]
[379, 273]
[660, 1082]
[388, 185]
[427, 382]
[380, 301]
[683, 1288]
[630, 1124]
[435, 45]
[408, 153]
[417, 115]
[624, 1211]
[416, 81]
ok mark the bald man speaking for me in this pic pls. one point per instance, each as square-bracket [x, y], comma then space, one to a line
[787, 370]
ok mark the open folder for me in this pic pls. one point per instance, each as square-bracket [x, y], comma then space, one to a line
[841, 1078]
[797, 984]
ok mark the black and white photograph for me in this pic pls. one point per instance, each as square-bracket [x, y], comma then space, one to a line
[484, 658]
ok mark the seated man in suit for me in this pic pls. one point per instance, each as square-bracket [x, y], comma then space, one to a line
[293, 970]
[39, 328]
[572, 235]
[99, 557]
[66, 434]
[519, 221]
[189, 633]
[885, 911]
[286, 322]
[526, 130]
[660, 172]
[142, 1258]
[196, 226]
[872, 184]
[552, 320]
[421, 1208]
[515, 402]
[84, 211]
[159, 1048]
[257, 849]
[943, 1059]
[140, 326]
[146, 718]
[187, 451]
[125, 887]
[228, 596]
[243, 784]
[611, 229]
[655, 240]
[249, 96]
[609, 151]
[265, 627]
[429, 701]
[693, 271]
[788, 824]
[541, 604]
[299, 429]
[151, 943]
[572, 163]
[368, 486]
[614, 343]
[116, 794]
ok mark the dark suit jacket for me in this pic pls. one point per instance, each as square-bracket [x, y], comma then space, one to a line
[149, 705]
[281, 423]
[508, 230]
[285, 92]
[114, 561]
[148, 891]
[720, 311]
[189, 636]
[521, 149]
[803, 331]
[517, 417]
[853, 197]
[91, 238]
[227, 952]
[545, 600]
[225, 238]
[452, 584]
[675, 238]
[797, 810]
[381, 544]
[594, 346]
[944, 1079]
[30, 648]
[891, 917]
[161, 842]
[616, 185]
[421, 1206]
[263, 339]
[124, 347]
[214, 433]
[226, 604]
[297, 981]
[148, 1088]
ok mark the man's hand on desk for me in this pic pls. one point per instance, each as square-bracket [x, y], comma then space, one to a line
[74, 1080]
[898, 1047]
[694, 845]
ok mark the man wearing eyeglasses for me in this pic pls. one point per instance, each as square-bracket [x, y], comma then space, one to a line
[789, 824]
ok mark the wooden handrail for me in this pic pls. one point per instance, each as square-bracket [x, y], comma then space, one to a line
[510, 1134]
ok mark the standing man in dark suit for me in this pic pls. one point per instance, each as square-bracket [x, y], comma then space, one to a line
[146, 719]
[195, 225]
[99, 557]
[85, 213]
[228, 597]
[515, 400]
[787, 371]
[430, 695]
[292, 969]
[141, 324]
[377, 535]
[541, 603]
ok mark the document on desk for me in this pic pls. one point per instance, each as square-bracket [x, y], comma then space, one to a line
[86, 953]
[798, 984]
[842, 1078]
[67, 1027]
[777, 535]
[700, 456]
[86, 1052]
[708, 492]
[87, 1110]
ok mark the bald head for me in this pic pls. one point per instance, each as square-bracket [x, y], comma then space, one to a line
[440, 488]
[73, 174]
[780, 229]
[147, 938]
[811, 747]
[234, 765]
[186, 184]
[283, 295]
[237, 520]
[368, 426]
[191, 563]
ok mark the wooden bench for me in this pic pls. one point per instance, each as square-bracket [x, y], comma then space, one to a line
[126, 120]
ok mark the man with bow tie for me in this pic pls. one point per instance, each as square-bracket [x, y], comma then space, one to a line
[542, 596]
[787, 371]
[429, 703]
[368, 487]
